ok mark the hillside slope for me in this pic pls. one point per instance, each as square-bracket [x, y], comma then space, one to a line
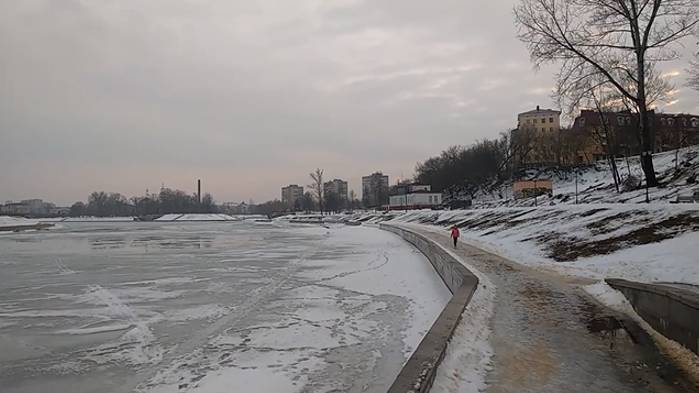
[596, 185]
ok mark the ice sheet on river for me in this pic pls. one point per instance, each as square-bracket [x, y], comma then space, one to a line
[158, 307]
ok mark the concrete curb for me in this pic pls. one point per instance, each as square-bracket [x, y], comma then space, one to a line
[671, 311]
[418, 373]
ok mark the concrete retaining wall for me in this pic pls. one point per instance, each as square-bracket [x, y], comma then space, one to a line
[671, 311]
[418, 373]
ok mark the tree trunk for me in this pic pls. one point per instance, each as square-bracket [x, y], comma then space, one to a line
[644, 127]
[645, 133]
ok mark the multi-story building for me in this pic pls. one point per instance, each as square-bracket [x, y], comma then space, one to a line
[291, 196]
[375, 190]
[594, 134]
[534, 141]
[337, 187]
[28, 207]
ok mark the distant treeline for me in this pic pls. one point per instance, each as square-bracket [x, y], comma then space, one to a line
[460, 169]
[112, 204]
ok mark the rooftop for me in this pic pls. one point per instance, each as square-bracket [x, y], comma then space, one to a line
[539, 110]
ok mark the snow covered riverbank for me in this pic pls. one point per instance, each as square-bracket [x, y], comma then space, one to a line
[156, 307]
[647, 243]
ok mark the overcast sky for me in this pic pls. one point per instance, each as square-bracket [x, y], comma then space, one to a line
[252, 95]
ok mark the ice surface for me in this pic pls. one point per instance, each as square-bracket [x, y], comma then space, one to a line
[7, 221]
[197, 217]
[210, 307]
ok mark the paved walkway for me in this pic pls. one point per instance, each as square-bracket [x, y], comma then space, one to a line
[548, 335]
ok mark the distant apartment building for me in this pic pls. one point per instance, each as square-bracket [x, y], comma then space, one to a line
[28, 207]
[413, 196]
[337, 187]
[535, 140]
[234, 208]
[375, 190]
[291, 196]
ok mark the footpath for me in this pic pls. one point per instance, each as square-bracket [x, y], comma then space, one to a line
[548, 335]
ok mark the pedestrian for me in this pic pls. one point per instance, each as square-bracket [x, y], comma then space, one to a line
[455, 234]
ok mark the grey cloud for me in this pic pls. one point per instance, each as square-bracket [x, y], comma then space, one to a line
[250, 95]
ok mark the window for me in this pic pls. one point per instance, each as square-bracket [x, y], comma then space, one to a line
[671, 122]
[684, 122]
[662, 121]
[620, 121]
[550, 119]
[534, 121]
[582, 121]
[543, 129]
[551, 129]
[695, 122]
[628, 120]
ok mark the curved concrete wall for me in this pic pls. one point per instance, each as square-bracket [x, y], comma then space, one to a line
[671, 311]
[419, 371]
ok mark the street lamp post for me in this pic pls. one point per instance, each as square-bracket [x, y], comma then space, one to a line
[576, 186]
[647, 153]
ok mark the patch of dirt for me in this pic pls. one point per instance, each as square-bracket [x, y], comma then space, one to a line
[592, 212]
[566, 250]
[611, 223]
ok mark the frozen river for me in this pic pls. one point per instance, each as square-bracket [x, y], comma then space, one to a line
[210, 307]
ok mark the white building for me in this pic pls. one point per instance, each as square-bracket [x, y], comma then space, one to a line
[413, 196]
[416, 200]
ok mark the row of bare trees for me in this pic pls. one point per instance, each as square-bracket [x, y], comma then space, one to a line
[326, 200]
[460, 169]
[114, 204]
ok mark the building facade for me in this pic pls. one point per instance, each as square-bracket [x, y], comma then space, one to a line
[336, 187]
[291, 196]
[413, 196]
[375, 190]
[535, 139]
[595, 135]
[235, 208]
[28, 207]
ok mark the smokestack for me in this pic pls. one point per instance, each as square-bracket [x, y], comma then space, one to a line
[537, 107]
[199, 191]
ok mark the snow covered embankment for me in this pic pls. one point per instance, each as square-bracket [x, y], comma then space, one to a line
[677, 172]
[647, 243]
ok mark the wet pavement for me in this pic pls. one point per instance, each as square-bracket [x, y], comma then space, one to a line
[550, 336]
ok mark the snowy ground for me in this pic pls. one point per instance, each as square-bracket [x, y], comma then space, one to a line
[7, 221]
[639, 242]
[210, 307]
[596, 185]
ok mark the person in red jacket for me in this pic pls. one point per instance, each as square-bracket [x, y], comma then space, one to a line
[455, 234]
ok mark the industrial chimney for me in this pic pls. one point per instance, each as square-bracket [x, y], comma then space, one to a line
[199, 191]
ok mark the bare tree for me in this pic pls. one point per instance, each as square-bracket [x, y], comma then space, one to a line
[317, 187]
[618, 41]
